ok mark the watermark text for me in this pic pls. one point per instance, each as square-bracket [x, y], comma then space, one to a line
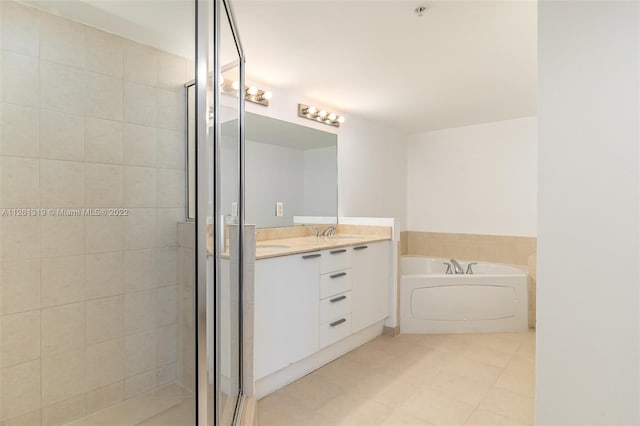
[80, 212]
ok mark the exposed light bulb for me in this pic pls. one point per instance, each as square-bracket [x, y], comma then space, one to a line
[235, 85]
[322, 116]
[221, 78]
[252, 90]
[267, 95]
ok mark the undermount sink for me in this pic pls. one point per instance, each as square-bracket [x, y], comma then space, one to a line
[274, 247]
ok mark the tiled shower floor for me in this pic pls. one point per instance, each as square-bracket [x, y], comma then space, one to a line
[172, 405]
[452, 379]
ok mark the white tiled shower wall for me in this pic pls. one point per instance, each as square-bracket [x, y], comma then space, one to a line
[88, 305]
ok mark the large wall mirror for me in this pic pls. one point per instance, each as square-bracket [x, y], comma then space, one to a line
[284, 163]
[289, 164]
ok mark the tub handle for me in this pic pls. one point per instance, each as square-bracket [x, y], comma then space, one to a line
[470, 269]
[448, 271]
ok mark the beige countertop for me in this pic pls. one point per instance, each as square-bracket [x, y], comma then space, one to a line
[275, 242]
[287, 246]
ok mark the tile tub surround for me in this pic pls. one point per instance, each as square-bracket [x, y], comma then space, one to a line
[410, 379]
[88, 305]
[511, 250]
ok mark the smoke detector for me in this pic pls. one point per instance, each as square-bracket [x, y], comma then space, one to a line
[420, 10]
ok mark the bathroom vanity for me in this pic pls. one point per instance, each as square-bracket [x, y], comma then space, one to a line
[312, 301]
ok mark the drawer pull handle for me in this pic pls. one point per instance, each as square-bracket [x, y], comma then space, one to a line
[337, 299]
[340, 321]
[341, 274]
[311, 256]
[360, 247]
[338, 251]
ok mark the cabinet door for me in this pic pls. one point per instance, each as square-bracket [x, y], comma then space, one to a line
[286, 311]
[371, 279]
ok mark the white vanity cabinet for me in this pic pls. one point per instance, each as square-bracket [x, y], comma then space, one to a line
[335, 295]
[370, 277]
[305, 303]
[286, 311]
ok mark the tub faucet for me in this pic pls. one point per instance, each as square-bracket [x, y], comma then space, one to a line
[457, 267]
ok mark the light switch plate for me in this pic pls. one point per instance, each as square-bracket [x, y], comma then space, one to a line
[234, 209]
[279, 208]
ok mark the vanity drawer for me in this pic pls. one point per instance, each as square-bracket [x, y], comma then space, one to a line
[335, 259]
[335, 330]
[335, 306]
[335, 283]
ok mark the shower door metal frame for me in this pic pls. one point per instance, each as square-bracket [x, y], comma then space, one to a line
[208, 18]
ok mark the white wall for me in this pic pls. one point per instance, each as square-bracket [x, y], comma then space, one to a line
[588, 231]
[371, 158]
[478, 179]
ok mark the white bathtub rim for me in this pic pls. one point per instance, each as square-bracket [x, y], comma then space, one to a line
[521, 268]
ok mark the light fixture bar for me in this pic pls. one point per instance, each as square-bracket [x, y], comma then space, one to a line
[312, 113]
[251, 93]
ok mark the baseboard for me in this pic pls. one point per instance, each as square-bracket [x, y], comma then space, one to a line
[391, 331]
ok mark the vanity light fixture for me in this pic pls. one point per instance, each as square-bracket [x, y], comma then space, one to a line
[312, 113]
[251, 93]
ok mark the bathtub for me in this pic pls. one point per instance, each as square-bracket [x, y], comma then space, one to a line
[493, 299]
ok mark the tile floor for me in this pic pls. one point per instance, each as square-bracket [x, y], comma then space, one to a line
[448, 379]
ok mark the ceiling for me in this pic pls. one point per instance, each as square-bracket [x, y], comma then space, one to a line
[463, 62]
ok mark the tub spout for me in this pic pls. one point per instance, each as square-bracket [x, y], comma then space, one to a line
[457, 267]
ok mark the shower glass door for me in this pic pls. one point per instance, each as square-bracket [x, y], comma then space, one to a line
[220, 112]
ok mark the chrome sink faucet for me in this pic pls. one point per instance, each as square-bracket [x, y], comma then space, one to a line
[329, 231]
[457, 267]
